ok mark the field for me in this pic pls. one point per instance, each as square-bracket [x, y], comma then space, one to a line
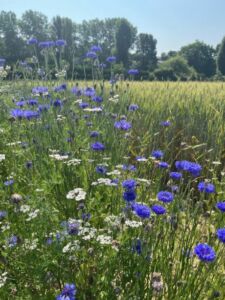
[117, 189]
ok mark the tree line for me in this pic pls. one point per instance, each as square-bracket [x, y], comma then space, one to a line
[116, 37]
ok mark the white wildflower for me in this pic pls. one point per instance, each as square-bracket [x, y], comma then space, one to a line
[25, 208]
[78, 194]
[3, 278]
[143, 180]
[133, 224]
[104, 239]
[94, 109]
[33, 214]
[2, 157]
[115, 172]
[73, 162]
[58, 156]
[30, 244]
[71, 246]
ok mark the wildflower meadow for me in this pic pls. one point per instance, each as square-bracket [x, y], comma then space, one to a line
[109, 189]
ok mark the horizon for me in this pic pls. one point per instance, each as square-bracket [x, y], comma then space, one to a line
[166, 20]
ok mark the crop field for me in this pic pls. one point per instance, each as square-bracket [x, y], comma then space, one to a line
[112, 191]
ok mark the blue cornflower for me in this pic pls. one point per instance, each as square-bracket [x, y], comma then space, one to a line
[9, 182]
[133, 72]
[165, 123]
[129, 184]
[60, 43]
[3, 214]
[162, 164]
[68, 293]
[158, 209]
[96, 48]
[32, 102]
[57, 103]
[221, 206]
[123, 125]
[205, 252]
[157, 154]
[165, 196]
[77, 91]
[175, 175]
[206, 187]
[29, 164]
[191, 167]
[32, 41]
[141, 210]
[129, 195]
[83, 105]
[136, 247]
[129, 168]
[101, 169]
[61, 87]
[2, 62]
[94, 133]
[111, 59]
[89, 92]
[97, 99]
[221, 234]
[43, 107]
[97, 146]
[46, 44]
[30, 114]
[133, 107]
[40, 90]
[73, 228]
[21, 103]
[12, 241]
[91, 54]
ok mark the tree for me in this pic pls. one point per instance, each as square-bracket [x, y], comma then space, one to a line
[201, 57]
[12, 44]
[34, 24]
[125, 37]
[174, 68]
[146, 52]
[221, 57]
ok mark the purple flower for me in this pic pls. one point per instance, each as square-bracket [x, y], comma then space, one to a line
[123, 125]
[32, 102]
[43, 107]
[101, 169]
[89, 92]
[77, 91]
[68, 292]
[9, 182]
[94, 133]
[32, 41]
[111, 59]
[21, 103]
[12, 241]
[83, 105]
[137, 247]
[96, 48]
[141, 210]
[165, 123]
[3, 214]
[46, 44]
[73, 228]
[60, 43]
[163, 165]
[2, 62]
[206, 187]
[157, 154]
[129, 168]
[129, 184]
[158, 209]
[40, 90]
[175, 175]
[97, 146]
[221, 206]
[129, 195]
[91, 54]
[191, 167]
[133, 107]
[97, 99]
[61, 87]
[57, 103]
[165, 197]
[133, 72]
[221, 234]
[205, 252]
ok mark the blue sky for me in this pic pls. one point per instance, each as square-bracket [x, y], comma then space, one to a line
[173, 23]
